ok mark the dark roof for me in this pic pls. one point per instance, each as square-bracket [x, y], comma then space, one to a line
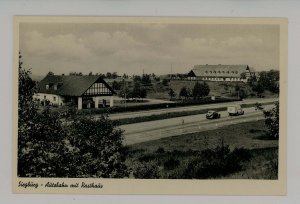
[69, 85]
[219, 70]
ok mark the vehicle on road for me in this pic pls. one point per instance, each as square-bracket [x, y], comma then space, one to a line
[258, 106]
[212, 115]
[235, 110]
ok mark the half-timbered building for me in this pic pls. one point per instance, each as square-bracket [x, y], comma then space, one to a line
[82, 91]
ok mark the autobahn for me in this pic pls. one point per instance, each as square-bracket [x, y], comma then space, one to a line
[152, 130]
[115, 116]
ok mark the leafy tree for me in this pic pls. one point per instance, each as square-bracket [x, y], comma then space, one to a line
[165, 82]
[272, 121]
[183, 92]
[97, 148]
[114, 75]
[206, 89]
[243, 75]
[143, 93]
[146, 79]
[200, 90]
[124, 92]
[171, 93]
[116, 85]
[50, 73]
[40, 135]
[108, 75]
[258, 88]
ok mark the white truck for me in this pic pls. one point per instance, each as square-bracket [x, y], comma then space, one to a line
[235, 110]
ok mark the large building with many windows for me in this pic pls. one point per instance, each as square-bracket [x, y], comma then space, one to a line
[83, 91]
[221, 72]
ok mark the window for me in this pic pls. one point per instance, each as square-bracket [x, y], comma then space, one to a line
[44, 97]
[54, 98]
[55, 87]
[47, 86]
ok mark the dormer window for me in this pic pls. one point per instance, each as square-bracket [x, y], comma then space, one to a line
[55, 87]
[47, 86]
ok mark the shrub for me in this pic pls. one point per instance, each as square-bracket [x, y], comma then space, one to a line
[160, 150]
[217, 162]
[100, 152]
[272, 121]
[171, 163]
[146, 170]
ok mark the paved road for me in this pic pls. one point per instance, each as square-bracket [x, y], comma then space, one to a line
[152, 130]
[186, 108]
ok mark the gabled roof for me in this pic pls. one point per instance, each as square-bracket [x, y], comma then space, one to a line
[219, 70]
[69, 85]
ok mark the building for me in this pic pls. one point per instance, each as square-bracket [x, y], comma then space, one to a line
[221, 73]
[84, 91]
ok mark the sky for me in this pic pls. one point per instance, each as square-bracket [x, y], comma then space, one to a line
[150, 48]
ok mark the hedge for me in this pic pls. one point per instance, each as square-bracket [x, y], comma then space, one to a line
[116, 109]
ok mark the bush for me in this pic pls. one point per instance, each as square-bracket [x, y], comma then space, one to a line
[99, 149]
[200, 101]
[160, 150]
[146, 170]
[272, 121]
[171, 163]
[217, 162]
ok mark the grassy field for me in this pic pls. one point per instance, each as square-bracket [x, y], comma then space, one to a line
[171, 157]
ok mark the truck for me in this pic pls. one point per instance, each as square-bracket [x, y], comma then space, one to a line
[235, 110]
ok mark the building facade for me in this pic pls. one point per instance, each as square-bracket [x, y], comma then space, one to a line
[221, 73]
[82, 91]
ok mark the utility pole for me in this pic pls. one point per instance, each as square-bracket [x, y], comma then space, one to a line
[171, 70]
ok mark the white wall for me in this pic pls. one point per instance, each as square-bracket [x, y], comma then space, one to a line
[50, 97]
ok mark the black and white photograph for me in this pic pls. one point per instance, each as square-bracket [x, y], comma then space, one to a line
[145, 99]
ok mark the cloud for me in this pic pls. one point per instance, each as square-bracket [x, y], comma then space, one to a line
[62, 46]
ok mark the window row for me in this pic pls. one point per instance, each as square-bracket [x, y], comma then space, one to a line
[221, 72]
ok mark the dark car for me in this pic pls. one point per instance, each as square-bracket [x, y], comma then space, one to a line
[212, 115]
[258, 106]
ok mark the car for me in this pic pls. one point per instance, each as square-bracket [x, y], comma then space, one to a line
[212, 115]
[258, 106]
[235, 110]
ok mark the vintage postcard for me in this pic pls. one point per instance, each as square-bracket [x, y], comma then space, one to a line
[150, 105]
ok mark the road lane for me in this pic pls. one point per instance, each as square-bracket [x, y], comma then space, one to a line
[115, 116]
[152, 130]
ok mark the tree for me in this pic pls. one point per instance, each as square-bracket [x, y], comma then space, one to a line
[108, 75]
[184, 92]
[243, 75]
[40, 135]
[136, 92]
[97, 148]
[146, 79]
[206, 89]
[272, 121]
[143, 93]
[114, 75]
[200, 90]
[116, 85]
[165, 82]
[171, 93]
[258, 88]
